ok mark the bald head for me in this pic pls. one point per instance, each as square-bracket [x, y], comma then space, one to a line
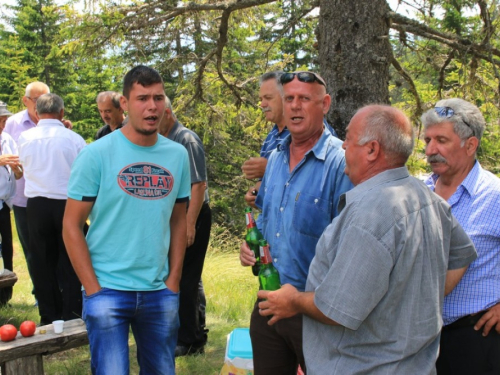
[36, 87]
[305, 102]
[33, 91]
[378, 138]
[391, 128]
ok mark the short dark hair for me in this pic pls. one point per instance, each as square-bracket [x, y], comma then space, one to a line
[276, 74]
[141, 74]
[115, 98]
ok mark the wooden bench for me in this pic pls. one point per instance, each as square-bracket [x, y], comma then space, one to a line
[7, 278]
[24, 354]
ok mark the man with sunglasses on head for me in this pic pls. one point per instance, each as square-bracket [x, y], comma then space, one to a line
[299, 194]
[470, 340]
[272, 106]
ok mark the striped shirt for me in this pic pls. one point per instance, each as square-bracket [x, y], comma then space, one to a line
[476, 205]
[273, 138]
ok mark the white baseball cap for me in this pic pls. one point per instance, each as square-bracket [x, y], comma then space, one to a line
[3, 109]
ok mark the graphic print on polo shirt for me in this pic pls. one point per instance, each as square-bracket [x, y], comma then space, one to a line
[146, 180]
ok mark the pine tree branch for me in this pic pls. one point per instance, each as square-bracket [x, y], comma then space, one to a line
[413, 89]
[407, 25]
[293, 21]
[137, 17]
[221, 43]
[448, 60]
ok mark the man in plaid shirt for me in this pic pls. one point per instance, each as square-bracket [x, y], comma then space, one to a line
[470, 340]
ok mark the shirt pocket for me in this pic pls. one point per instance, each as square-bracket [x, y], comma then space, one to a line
[267, 206]
[311, 215]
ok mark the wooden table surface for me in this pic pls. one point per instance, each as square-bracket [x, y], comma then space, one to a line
[73, 336]
[7, 278]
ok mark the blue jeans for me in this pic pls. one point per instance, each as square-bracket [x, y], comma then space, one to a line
[154, 319]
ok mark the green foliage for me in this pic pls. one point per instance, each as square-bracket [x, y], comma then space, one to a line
[440, 72]
[90, 52]
[42, 47]
[214, 85]
[80, 53]
[14, 74]
[296, 35]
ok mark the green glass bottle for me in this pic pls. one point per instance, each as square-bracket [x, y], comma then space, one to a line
[269, 278]
[252, 239]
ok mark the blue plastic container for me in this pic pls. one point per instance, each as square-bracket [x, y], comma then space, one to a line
[239, 344]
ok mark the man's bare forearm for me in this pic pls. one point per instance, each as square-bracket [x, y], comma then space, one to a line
[196, 201]
[304, 303]
[287, 302]
[452, 279]
[177, 245]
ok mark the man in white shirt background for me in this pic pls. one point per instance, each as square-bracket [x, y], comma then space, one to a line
[47, 153]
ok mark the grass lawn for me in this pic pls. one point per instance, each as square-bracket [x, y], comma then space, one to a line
[230, 290]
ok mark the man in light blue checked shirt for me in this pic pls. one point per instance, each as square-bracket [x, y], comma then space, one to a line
[470, 340]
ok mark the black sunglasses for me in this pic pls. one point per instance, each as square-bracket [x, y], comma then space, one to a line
[448, 112]
[307, 77]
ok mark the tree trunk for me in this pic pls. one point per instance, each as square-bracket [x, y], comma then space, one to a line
[354, 55]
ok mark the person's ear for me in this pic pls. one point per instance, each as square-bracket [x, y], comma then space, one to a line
[471, 145]
[124, 103]
[327, 101]
[373, 150]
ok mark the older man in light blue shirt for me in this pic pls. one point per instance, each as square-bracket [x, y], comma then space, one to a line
[299, 194]
[470, 341]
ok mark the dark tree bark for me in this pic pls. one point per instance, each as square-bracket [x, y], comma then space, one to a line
[354, 55]
[353, 37]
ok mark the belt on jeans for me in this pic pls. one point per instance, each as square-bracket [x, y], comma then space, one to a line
[466, 321]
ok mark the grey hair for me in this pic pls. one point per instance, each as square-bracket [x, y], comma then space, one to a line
[384, 124]
[49, 103]
[33, 85]
[276, 74]
[467, 121]
[115, 98]
[168, 103]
